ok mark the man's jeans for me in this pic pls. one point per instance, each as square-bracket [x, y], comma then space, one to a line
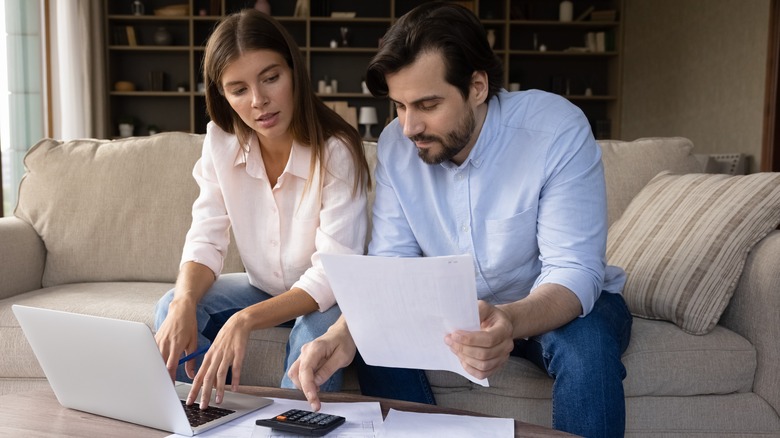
[583, 357]
[231, 293]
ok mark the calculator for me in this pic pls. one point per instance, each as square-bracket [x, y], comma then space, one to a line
[303, 422]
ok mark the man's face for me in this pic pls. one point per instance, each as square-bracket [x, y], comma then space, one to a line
[433, 112]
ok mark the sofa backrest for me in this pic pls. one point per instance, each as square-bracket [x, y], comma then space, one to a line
[85, 197]
[112, 210]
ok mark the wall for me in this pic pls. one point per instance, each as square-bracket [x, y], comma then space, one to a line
[696, 69]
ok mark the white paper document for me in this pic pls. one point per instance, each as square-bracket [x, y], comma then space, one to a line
[413, 424]
[400, 309]
[363, 420]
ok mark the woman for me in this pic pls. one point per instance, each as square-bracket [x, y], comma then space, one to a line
[290, 177]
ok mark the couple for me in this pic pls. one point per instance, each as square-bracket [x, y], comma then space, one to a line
[514, 179]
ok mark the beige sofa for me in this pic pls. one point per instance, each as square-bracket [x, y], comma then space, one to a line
[100, 225]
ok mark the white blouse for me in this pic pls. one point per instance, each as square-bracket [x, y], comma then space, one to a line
[279, 232]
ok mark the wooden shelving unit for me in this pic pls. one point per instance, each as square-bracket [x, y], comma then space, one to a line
[521, 27]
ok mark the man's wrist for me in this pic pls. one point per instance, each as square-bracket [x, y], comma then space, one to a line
[509, 309]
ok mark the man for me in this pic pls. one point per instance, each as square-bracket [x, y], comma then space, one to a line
[515, 180]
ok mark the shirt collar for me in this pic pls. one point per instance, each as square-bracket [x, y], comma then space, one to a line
[297, 165]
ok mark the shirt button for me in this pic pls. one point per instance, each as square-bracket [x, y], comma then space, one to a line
[277, 275]
[464, 228]
[459, 177]
[274, 243]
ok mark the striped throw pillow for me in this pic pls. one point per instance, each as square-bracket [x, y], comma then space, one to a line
[683, 241]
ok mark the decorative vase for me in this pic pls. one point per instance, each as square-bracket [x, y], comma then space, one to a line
[138, 7]
[344, 31]
[263, 6]
[566, 11]
[491, 37]
[162, 37]
[126, 130]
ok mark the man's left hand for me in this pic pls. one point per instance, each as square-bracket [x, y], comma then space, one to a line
[483, 352]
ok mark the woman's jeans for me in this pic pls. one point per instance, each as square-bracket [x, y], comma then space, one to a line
[231, 293]
[583, 358]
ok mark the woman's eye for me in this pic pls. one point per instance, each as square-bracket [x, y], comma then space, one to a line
[272, 78]
[237, 91]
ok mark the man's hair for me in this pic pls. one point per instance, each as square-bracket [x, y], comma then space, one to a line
[437, 27]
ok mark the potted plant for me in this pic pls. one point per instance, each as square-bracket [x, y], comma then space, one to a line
[153, 129]
[126, 125]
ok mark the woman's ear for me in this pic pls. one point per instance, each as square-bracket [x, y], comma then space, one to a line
[479, 86]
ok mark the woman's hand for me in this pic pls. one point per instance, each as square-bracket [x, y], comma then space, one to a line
[178, 335]
[227, 351]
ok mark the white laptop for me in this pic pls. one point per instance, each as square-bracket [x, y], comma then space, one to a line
[113, 368]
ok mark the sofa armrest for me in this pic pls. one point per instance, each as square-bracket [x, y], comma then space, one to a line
[754, 312]
[21, 259]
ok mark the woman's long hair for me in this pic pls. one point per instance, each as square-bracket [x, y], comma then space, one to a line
[312, 122]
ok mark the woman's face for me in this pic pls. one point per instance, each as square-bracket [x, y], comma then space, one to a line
[259, 87]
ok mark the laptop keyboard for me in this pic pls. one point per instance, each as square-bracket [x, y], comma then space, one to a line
[197, 417]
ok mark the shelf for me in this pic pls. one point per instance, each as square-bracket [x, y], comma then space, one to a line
[153, 93]
[150, 48]
[519, 26]
[562, 24]
[563, 53]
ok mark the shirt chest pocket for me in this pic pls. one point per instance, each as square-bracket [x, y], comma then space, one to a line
[301, 244]
[511, 244]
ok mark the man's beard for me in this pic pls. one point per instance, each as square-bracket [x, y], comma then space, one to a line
[453, 143]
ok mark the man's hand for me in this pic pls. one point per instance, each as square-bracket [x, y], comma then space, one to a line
[227, 351]
[320, 359]
[483, 352]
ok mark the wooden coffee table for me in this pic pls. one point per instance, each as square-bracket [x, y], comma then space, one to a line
[37, 413]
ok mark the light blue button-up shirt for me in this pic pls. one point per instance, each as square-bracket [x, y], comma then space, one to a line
[529, 202]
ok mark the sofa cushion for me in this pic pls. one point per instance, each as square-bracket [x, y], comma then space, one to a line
[629, 165]
[84, 198]
[661, 360]
[684, 240]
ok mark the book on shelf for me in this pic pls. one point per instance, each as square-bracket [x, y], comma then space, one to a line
[119, 36]
[601, 42]
[605, 15]
[131, 38]
[584, 15]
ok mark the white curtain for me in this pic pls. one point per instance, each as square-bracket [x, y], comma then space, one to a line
[78, 81]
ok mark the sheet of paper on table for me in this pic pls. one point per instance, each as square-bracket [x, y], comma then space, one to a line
[413, 425]
[363, 419]
[399, 309]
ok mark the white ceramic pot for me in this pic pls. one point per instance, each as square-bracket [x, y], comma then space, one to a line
[126, 130]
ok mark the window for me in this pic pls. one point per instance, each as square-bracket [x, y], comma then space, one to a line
[21, 85]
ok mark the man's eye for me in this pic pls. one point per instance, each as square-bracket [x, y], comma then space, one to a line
[429, 107]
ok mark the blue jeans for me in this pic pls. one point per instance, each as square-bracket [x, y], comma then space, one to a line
[583, 357]
[231, 293]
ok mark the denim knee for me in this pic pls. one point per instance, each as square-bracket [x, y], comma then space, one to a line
[161, 309]
[306, 329]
